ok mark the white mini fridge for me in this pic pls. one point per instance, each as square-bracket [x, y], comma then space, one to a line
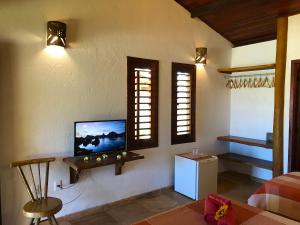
[196, 176]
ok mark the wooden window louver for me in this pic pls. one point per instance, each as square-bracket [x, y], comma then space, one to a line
[183, 103]
[142, 105]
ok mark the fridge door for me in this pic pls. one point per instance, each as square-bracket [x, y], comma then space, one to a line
[186, 176]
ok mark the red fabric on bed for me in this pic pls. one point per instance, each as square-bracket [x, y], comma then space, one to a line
[228, 219]
[244, 211]
[210, 209]
[212, 204]
[192, 214]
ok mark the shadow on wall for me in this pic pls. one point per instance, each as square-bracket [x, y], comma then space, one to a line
[72, 32]
[8, 124]
[7, 95]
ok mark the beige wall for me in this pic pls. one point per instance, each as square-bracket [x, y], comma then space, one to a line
[43, 94]
[293, 52]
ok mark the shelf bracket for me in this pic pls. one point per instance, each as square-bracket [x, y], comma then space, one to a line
[74, 175]
[118, 168]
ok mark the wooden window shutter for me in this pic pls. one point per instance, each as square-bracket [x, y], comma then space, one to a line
[142, 103]
[183, 103]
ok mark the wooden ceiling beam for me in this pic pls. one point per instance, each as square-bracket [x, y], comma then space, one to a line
[212, 7]
[247, 31]
[242, 22]
[254, 40]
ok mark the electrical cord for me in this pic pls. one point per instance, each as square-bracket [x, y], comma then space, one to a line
[70, 186]
[65, 187]
[66, 203]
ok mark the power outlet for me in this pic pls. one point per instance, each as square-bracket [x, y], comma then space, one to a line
[58, 185]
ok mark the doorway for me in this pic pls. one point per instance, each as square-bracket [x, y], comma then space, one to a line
[294, 132]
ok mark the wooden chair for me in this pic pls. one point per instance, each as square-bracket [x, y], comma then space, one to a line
[40, 206]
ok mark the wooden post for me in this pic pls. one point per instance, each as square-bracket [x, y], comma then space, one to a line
[0, 205]
[282, 28]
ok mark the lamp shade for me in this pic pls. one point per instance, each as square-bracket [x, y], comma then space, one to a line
[201, 55]
[56, 33]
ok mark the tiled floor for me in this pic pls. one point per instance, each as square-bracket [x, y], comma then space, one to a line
[230, 184]
[237, 186]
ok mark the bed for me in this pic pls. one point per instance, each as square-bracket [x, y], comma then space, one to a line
[280, 195]
[192, 214]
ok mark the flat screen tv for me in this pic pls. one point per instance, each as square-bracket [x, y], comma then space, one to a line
[96, 137]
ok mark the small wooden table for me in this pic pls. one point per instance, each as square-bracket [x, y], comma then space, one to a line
[77, 163]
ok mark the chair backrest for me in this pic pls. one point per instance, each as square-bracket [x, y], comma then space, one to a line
[35, 190]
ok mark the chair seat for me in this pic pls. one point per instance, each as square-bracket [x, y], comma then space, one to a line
[42, 208]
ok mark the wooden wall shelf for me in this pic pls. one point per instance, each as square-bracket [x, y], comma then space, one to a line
[246, 141]
[265, 164]
[77, 164]
[247, 68]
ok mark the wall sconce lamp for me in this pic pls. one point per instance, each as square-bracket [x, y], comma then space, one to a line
[201, 55]
[56, 33]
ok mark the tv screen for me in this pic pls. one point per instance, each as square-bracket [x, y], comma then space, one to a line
[94, 137]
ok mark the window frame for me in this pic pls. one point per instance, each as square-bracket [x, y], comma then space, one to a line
[153, 65]
[191, 69]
